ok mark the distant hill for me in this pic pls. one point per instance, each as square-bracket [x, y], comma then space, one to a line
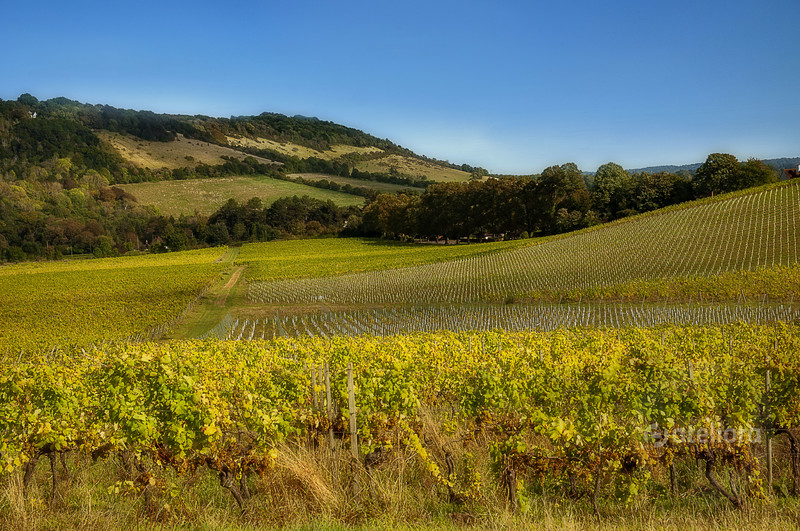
[783, 163]
[691, 168]
[134, 146]
[778, 164]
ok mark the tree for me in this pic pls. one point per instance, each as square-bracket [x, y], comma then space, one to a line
[239, 232]
[218, 233]
[753, 172]
[657, 190]
[559, 187]
[718, 174]
[443, 211]
[502, 208]
[613, 190]
[391, 215]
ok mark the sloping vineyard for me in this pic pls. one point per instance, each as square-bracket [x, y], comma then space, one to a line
[745, 232]
[512, 317]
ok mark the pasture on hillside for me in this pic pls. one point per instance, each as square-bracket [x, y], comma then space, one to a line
[413, 167]
[180, 153]
[184, 197]
[299, 151]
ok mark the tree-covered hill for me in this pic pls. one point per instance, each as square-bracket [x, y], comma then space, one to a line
[33, 132]
[63, 164]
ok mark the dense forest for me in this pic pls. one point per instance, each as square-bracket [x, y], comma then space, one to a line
[58, 193]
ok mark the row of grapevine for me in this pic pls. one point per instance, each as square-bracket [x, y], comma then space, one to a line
[509, 317]
[583, 410]
[283, 259]
[742, 233]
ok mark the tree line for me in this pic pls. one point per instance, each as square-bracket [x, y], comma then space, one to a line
[45, 219]
[64, 209]
[560, 199]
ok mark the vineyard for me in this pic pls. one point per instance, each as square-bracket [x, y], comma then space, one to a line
[650, 366]
[587, 418]
[48, 304]
[516, 317]
[742, 233]
[337, 256]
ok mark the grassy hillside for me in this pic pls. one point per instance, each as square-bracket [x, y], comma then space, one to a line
[414, 167]
[746, 231]
[207, 195]
[180, 153]
[298, 150]
[377, 160]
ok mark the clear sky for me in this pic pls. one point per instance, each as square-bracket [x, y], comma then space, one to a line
[513, 86]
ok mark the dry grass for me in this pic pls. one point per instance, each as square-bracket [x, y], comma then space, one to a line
[311, 487]
[296, 150]
[413, 167]
[181, 153]
[302, 479]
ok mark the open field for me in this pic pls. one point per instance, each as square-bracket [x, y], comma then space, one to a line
[181, 153]
[742, 232]
[57, 304]
[173, 198]
[296, 150]
[414, 168]
[388, 188]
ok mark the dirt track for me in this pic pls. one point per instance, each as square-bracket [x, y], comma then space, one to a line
[226, 289]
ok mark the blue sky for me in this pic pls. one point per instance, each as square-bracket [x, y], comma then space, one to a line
[512, 86]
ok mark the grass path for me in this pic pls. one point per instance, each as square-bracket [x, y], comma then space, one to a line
[217, 301]
[226, 289]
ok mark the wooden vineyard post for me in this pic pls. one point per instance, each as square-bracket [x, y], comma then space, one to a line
[767, 385]
[510, 480]
[314, 387]
[326, 378]
[328, 403]
[320, 396]
[351, 407]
